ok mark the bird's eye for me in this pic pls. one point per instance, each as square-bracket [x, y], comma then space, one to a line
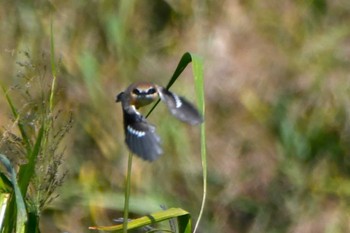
[136, 91]
[151, 91]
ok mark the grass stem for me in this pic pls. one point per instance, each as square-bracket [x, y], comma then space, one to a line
[53, 67]
[127, 194]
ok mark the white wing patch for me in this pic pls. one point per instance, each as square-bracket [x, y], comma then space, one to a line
[136, 132]
[178, 102]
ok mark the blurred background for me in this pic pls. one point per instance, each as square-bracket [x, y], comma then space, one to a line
[277, 91]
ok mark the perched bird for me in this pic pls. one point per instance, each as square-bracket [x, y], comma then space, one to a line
[140, 136]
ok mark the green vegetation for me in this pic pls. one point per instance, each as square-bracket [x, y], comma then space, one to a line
[40, 134]
[276, 77]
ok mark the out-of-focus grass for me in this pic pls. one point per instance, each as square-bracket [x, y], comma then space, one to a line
[37, 142]
[277, 107]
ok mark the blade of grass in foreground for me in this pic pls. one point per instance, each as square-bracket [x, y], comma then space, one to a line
[184, 221]
[198, 74]
[27, 170]
[21, 209]
[185, 60]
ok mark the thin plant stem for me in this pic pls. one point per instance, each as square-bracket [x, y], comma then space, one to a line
[205, 172]
[53, 68]
[127, 194]
[197, 67]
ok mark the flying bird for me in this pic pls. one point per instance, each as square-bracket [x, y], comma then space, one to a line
[140, 136]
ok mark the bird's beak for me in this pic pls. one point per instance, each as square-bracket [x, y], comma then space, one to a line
[118, 98]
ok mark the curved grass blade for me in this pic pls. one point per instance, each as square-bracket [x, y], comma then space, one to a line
[183, 217]
[185, 60]
[21, 209]
[198, 74]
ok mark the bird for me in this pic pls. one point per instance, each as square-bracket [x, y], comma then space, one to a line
[140, 135]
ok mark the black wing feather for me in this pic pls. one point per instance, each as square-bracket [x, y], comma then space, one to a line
[141, 137]
[180, 107]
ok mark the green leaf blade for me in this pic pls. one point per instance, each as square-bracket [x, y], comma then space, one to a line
[198, 74]
[22, 217]
[27, 170]
[184, 218]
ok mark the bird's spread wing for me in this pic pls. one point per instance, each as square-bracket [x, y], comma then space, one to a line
[180, 107]
[140, 136]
